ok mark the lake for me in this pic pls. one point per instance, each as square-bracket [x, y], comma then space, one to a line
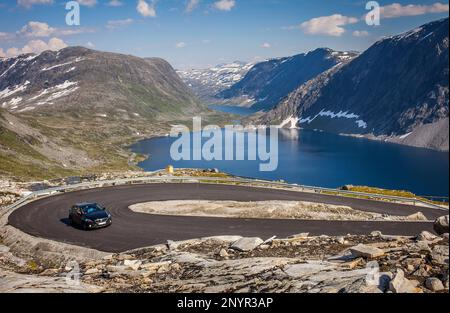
[231, 109]
[327, 160]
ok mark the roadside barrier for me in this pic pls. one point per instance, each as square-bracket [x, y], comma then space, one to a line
[218, 180]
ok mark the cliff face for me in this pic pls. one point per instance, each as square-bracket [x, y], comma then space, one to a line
[393, 89]
[270, 81]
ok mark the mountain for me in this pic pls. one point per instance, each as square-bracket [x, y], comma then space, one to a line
[76, 110]
[397, 90]
[207, 83]
[82, 81]
[270, 81]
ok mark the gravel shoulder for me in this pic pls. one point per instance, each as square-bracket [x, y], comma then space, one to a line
[301, 210]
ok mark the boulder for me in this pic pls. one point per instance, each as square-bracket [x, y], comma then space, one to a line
[247, 244]
[434, 284]
[133, 264]
[441, 225]
[419, 216]
[366, 251]
[440, 255]
[376, 233]
[400, 284]
[341, 240]
[426, 236]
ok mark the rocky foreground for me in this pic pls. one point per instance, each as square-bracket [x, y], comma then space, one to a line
[300, 264]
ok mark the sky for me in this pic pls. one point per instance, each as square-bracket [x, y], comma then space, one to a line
[204, 33]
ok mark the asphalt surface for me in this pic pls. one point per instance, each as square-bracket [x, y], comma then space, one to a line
[47, 218]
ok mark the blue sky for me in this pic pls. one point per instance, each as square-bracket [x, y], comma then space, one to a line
[200, 33]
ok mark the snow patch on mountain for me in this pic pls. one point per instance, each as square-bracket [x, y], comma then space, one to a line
[79, 59]
[292, 121]
[332, 115]
[9, 92]
[210, 81]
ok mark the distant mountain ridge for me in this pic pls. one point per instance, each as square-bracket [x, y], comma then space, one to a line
[270, 81]
[208, 82]
[390, 91]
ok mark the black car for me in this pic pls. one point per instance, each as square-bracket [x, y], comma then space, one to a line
[89, 216]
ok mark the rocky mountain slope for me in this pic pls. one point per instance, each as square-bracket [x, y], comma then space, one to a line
[270, 81]
[397, 90]
[76, 109]
[207, 83]
[79, 80]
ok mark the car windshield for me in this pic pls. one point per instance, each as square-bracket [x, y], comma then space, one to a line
[90, 208]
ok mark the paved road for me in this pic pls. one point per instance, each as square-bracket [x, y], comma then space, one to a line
[46, 217]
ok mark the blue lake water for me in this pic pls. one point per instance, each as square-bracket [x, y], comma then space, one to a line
[242, 111]
[327, 160]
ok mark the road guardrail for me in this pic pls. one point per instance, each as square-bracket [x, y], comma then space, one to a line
[233, 180]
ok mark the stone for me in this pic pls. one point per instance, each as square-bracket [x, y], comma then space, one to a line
[223, 253]
[172, 245]
[420, 246]
[133, 264]
[426, 236]
[400, 284]
[247, 244]
[50, 272]
[434, 284]
[366, 251]
[341, 240]
[4, 249]
[270, 240]
[419, 216]
[376, 234]
[299, 236]
[441, 225]
[108, 257]
[92, 271]
[445, 237]
[439, 255]
[154, 267]
[115, 268]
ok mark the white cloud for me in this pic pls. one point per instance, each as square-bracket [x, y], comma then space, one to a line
[115, 3]
[145, 9]
[88, 3]
[90, 44]
[5, 36]
[327, 25]
[114, 24]
[397, 10]
[37, 46]
[191, 5]
[225, 5]
[181, 45]
[360, 33]
[2, 53]
[266, 45]
[29, 3]
[36, 29]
